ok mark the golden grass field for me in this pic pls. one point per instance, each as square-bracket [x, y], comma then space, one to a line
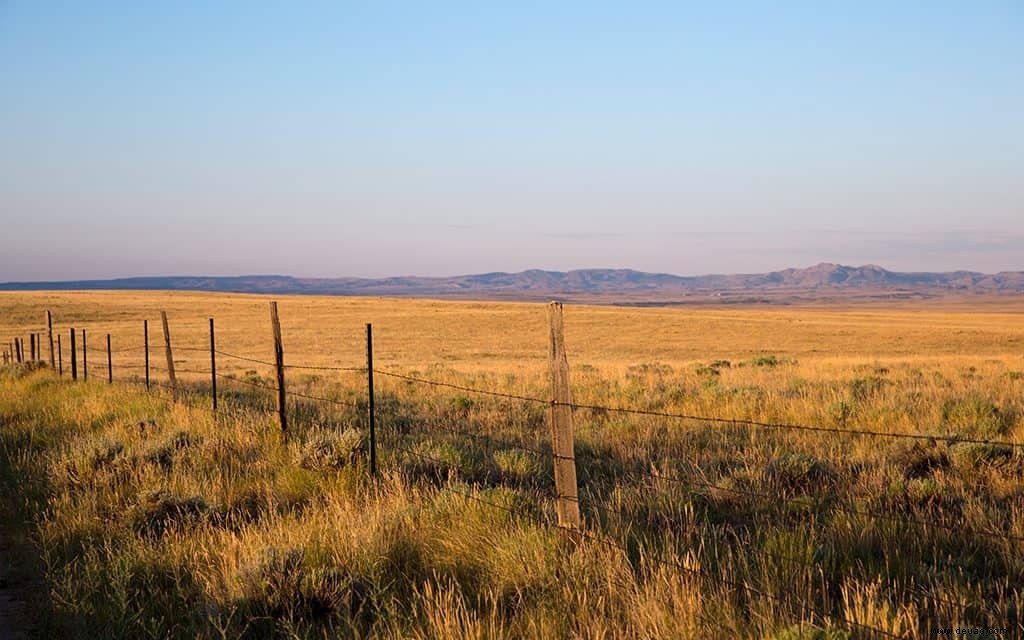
[495, 335]
[160, 519]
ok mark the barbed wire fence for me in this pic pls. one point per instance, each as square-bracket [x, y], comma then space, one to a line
[560, 454]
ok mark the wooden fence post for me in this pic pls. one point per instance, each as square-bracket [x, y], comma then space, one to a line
[213, 366]
[145, 344]
[85, 357]
[110, 363]
[170, 356]
[74, 356]
[32, 347]
[49, 336]
[60, 357]
[567, 505]
[371, 413]
[279, 366]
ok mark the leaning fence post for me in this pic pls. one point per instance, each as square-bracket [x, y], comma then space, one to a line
[49, 336]
[17, 349]
[145, 344]
[213, 366]
[279, 366]
[74, 356]
[371, 413]
[32, 347]
[566, 488]
[169, 355]
[85, 357]
[60, 357]
[110, 363]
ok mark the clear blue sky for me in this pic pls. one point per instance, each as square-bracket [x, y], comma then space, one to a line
[388, 138]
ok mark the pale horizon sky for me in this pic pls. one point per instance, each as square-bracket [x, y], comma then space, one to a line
[396, 138]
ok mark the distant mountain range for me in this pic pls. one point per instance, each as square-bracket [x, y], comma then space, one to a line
[821, 281]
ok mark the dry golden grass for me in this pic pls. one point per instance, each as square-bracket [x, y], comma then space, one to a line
[499, 336]
[160, 519]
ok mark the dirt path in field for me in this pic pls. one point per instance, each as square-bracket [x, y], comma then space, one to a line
[16, 591]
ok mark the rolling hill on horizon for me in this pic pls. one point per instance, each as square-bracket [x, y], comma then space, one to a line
[600, 285]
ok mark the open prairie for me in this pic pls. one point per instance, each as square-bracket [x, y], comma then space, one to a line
[739, 496]
[495, 335]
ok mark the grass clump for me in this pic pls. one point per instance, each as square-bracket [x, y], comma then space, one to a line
[811, 632]
[800, 473]
[769, 361]
[975, 415]
[325, 450]
[520, 465]
[970, 455]
[286, 584]
[162, 452]
[919, 459]
[159, 510]
[868, 387]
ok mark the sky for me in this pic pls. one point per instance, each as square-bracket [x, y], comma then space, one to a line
[435, 138]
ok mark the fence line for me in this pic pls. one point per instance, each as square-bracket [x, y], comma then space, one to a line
[561, 494]
[949, 439]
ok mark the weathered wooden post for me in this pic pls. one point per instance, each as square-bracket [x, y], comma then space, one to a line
[170, 356]
[74, 356]
[371, 413]
[49, 336]
[213, 366]
[567, 504]
[32, 347]
[60, 357]
[85, 357]
[279, 366]
[110, 363]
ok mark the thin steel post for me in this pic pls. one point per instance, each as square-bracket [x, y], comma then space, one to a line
[145, 343]
[371, 413]
[74, 356]
[49, 336]
[213, 365]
